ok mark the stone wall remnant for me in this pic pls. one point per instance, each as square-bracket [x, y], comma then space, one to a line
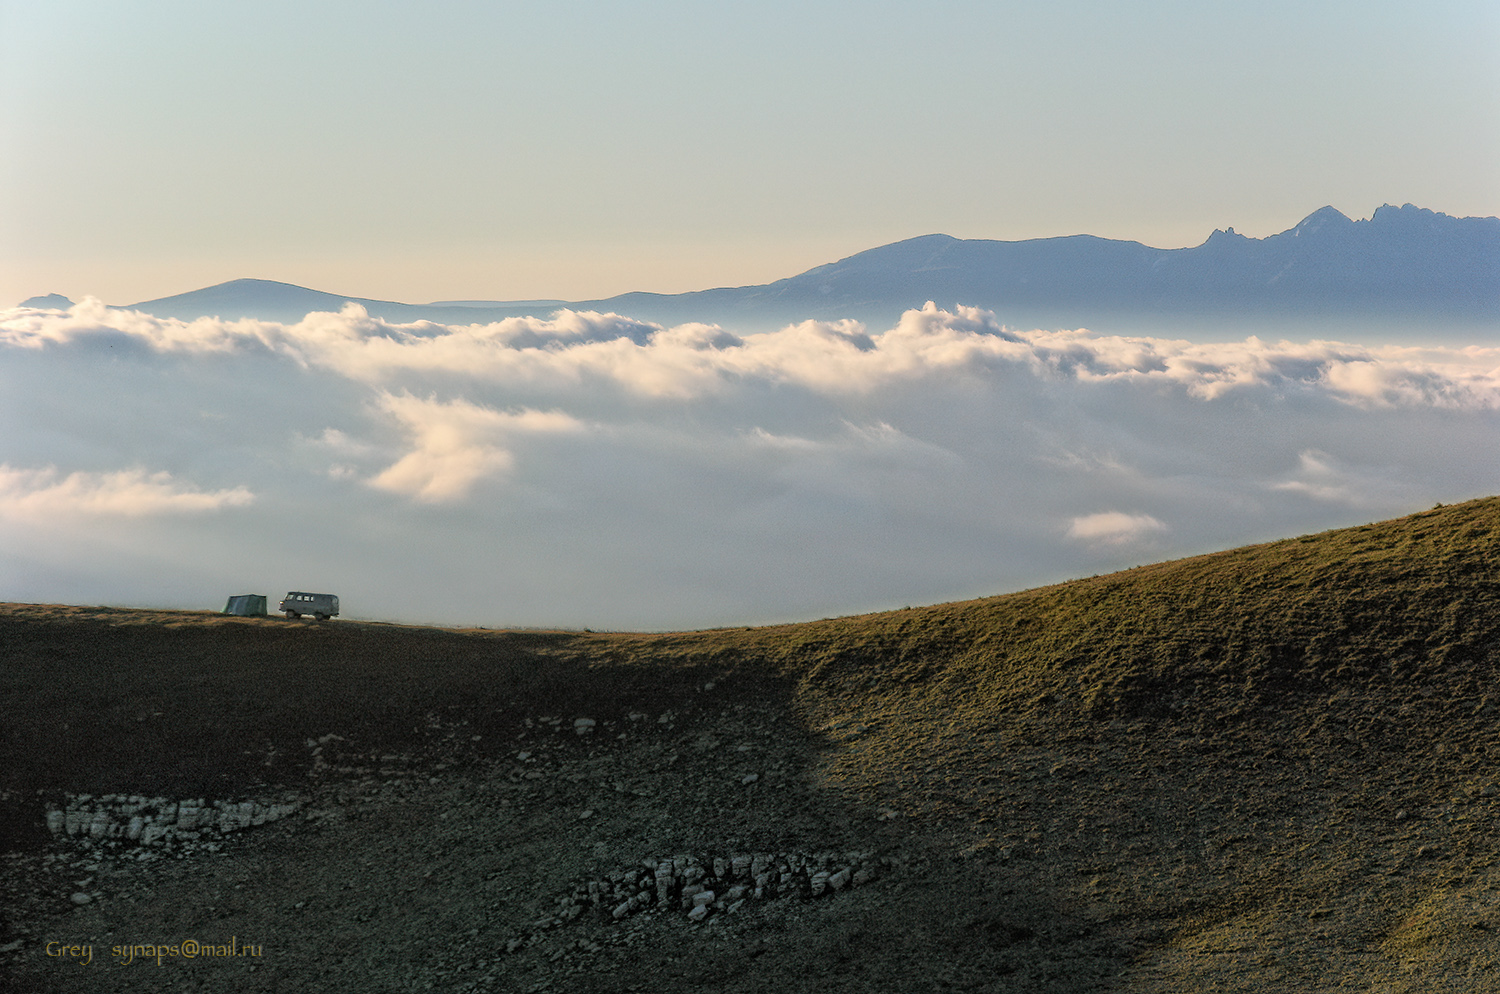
[151, 820]
[704, 885]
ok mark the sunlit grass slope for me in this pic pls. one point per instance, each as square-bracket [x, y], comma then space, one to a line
[1406, 605]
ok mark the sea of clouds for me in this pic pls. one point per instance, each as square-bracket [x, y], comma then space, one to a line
[586, 469]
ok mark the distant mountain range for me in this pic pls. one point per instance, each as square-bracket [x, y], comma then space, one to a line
[1404, 263]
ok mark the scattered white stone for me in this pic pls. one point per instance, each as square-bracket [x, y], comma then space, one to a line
[698, 913]
[585, 813]
[583, 726]
[80, 898]
[749, 779]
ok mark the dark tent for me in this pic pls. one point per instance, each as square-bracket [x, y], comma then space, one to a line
[247, 605]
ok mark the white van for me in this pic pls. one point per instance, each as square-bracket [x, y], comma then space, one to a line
[320, 606]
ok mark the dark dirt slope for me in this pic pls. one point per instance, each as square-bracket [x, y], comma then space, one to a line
[1270, 768]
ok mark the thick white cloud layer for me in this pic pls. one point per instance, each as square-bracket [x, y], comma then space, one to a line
[572, 349]
[590, 469]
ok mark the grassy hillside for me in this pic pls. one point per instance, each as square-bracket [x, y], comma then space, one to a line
[1268, 767]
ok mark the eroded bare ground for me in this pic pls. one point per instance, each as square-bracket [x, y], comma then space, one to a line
[447, 872]
[1132, 859]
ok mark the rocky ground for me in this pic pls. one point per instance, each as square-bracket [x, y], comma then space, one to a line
[445, 871]
[1130, 860]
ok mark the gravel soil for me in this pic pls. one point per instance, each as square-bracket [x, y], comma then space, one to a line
[1134, 859]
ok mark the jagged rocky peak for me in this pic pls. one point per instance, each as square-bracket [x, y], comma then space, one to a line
[1405, 210]
[1408, 217]
[1321, 219]
[1225, 236]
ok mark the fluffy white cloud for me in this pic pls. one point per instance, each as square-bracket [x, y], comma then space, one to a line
[1464, 378]
[42, 495]
[90, 322]
[456, 444]
[1114, 528]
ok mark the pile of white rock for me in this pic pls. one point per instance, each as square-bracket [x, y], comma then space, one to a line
[704, 885]
[151, 820]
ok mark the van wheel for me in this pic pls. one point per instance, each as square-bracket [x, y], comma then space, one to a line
[321, 617]
[293, 614]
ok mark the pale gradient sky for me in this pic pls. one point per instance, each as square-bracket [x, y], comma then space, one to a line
[581, 149]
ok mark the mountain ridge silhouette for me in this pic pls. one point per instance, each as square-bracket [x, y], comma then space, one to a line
[1402, 263]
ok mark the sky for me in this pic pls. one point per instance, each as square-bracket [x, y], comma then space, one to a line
[576, 150]
[579, 469]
